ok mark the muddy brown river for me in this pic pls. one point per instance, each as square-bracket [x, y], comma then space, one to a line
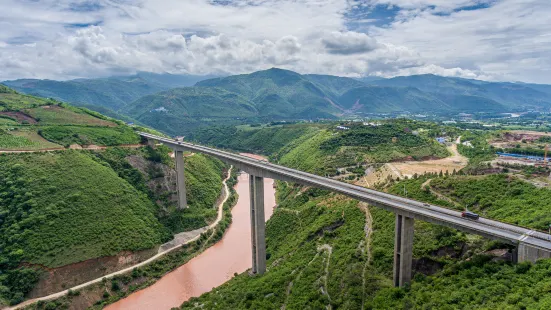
[211, 268]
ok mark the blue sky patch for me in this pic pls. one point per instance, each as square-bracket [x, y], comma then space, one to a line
[85, 6]
[82, 25]
[361, 17]
[478, 6]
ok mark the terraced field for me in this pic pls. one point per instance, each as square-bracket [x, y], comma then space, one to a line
[25, 139]
[47, 115]
[29, 123]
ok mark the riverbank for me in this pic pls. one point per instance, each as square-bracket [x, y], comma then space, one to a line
[210, 269]
[99, 292]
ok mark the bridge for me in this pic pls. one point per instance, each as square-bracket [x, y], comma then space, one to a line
[530, 245]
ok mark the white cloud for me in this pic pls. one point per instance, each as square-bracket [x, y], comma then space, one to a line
[52, 39]
[348, 43]
[510, 40]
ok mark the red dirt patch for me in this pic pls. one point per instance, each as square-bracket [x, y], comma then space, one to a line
[20, 117]
[57, 279]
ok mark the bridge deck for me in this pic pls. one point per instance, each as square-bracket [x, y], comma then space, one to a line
[408, 207]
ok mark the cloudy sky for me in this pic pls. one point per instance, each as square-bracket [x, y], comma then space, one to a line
[485, 39]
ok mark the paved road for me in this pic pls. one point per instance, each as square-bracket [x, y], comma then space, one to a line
[434, 214]
[90, 148]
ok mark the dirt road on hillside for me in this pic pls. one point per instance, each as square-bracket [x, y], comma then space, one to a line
[72, 147]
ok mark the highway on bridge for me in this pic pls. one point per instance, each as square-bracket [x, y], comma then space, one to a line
[399, 205]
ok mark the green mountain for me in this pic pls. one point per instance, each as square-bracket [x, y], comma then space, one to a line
[377, 99]
[540, 87]
[278, 93]
[335, 86]
[510, 95]
[178, 110]
[112, 93]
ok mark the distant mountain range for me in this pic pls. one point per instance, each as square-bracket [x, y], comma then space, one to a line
[112, 93]
[275, 94]
[513, 96]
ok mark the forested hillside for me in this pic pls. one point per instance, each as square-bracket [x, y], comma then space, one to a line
[265, 140]
[278, 93]
[311, 147]
[329, 251]
[61, 209]
[178, 110]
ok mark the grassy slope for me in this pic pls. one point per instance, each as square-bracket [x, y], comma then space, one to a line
[304, 221]
[304, 153]
[107, 292]
[267, 140]
[11, 101]
[190, 107]
[297, 237]
[51, 200]
[323, 151]
[104, 136]
[502, 197]
[56, 115]
[390, 141]
[70, 206]
[477, 284]
[58, 123]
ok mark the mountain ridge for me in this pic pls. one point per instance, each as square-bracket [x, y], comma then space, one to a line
[111, 92]
[278, 94]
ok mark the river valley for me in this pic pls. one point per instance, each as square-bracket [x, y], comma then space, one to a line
[211, 268]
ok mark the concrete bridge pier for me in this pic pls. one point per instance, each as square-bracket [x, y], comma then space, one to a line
[258, 224]
[180, 180]
[525, 253]
[152, 143]
[403, 250]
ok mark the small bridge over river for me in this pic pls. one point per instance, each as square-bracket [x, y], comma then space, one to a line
[530, 245]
